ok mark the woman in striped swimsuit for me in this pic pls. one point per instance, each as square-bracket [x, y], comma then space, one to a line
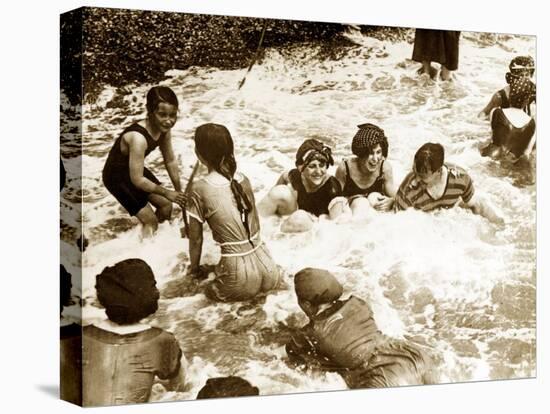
[225, 200]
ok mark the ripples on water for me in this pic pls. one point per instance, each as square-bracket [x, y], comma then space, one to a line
[448, 279]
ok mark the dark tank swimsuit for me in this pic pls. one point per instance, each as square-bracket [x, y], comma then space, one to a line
[315, 202]
[353, 191]
[116, 173]
[514, 139]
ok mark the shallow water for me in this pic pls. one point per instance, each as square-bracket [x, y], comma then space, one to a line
[449, 279]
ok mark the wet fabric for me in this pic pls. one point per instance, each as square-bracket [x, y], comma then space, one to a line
[317, 286]
[504, 134]
[412, 193]
[116, 172]
[246, 267]
[439, 46]
[345, 339]
[120, 369]
[316, 202]
[352, 189]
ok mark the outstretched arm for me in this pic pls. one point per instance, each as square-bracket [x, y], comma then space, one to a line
[479, 205]
[195, 245]
[137, 145]
[170, 161]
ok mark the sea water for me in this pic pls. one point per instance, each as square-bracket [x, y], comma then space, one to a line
[448, 279]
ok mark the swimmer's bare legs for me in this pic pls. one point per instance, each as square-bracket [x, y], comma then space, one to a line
[446, 74]
[298, 222]
[428, 69]
[149, 221]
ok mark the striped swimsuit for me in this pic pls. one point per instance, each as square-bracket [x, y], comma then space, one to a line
[412, 194]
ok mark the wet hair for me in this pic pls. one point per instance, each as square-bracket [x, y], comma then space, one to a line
[367, 138]
[429, 158]
[227, 387]
[159, 94]
[215, 145]
[127, 291]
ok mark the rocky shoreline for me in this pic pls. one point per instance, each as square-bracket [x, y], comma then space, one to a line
[119, 47]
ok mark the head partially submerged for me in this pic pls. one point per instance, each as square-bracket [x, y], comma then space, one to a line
[428, 161]
[227, 387]
[127, 291]
[316, 287]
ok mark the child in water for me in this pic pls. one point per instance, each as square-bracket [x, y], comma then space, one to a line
[225, 200]
[124, 174]
[122, 356]
[342, 336]
[305, 192]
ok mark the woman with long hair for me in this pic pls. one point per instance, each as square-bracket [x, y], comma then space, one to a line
[225, 200]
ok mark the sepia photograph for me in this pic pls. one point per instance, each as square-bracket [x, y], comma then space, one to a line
[263, 206]
[275, 207]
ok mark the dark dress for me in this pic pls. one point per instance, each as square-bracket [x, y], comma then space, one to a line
[439, 46]
[352, 190]
[315, 202]
[116, 173]
[120, 369]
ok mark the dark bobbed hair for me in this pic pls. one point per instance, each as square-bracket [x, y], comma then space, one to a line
[429, 158]
[127, 291]
[214, 144]
[158, 94]
[227, 387]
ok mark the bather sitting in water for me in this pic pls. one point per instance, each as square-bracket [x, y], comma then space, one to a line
[435, 184]
[520, 67]
[306, 191]
[122, 356]
[367, 178]
[224, 199]
[513, 130]
[342, 336]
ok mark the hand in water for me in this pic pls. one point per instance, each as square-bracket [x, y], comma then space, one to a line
[200, 272]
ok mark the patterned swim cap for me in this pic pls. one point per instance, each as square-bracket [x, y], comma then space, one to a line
[367, 138]
[310, 149]
[520, 66]
[521, 92]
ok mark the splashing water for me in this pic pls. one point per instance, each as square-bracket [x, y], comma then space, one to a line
[449, 279]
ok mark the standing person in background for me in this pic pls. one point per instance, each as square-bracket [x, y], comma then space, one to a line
[124, 174]
[439, 46]
[224, 199]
